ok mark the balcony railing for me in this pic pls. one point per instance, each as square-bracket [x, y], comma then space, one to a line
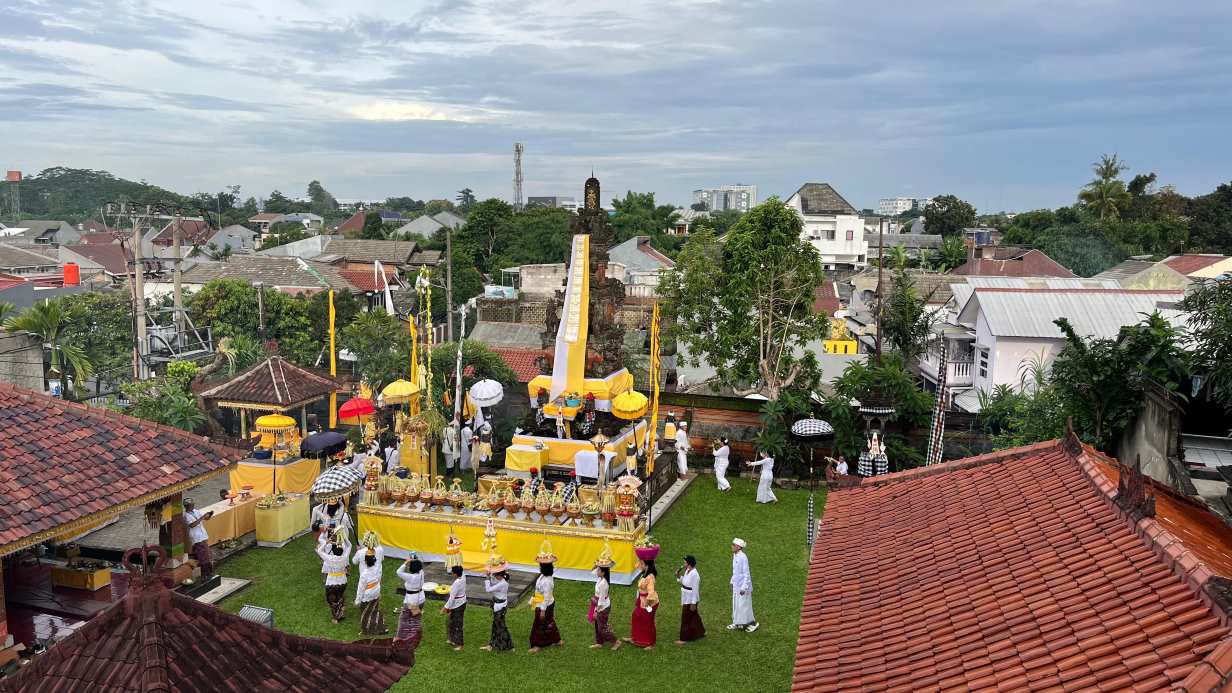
[957, 372]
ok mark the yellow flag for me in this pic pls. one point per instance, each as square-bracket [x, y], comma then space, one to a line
[333, 365]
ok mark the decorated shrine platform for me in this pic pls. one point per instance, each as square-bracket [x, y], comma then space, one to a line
[403, 529]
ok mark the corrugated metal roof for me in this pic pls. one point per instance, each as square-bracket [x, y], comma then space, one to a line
[1209, 451]
[1041, 283]
[1099, 313]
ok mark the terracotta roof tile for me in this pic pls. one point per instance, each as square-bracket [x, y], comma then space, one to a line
[64, 461]
[1013, 570]
[1186, 264]
[156, 639]
[524, 362]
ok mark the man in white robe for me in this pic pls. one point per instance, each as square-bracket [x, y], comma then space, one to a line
[464, 462]
[742, 590]
[682, 449]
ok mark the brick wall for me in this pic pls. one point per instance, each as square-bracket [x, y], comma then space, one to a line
[533, 313]
[497, 310]
[23, 362]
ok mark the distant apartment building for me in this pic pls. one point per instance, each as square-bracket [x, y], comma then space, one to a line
[894, 206]
[831, 225]
[555, 201]
[739, 197]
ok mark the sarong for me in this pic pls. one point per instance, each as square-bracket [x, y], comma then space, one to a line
[543, 632]
[603, 629]
[201, 552]
[453, 626]
[500, 639]
[410, 628]
[691, 627]
[371, 621]
[334, 597]
[643, 631]
[742, 608]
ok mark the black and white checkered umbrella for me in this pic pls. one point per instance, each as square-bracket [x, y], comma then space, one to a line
[807, 429]
[337, 481]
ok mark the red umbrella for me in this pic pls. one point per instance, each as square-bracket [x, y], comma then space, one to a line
[355, 411]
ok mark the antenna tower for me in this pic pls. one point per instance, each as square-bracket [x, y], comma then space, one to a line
[517, 176]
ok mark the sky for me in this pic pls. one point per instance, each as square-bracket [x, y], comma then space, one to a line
[1005, 103]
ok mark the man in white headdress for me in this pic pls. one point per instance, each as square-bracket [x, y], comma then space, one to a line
[742, 590]
[682, 449]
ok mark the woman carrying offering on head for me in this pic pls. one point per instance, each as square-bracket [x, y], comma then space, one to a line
[543, 632]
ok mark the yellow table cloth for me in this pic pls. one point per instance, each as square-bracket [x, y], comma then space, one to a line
[293, 477]
[522, 457]
[231, 521]
[280, 524]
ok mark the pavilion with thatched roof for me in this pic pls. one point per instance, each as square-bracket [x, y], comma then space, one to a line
[274, 385]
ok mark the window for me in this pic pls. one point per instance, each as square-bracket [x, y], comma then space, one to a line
[983, 363]
[851, 235]
[829, 234]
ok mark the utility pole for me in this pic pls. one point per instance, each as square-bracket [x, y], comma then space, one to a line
[449, 283]
[517, 176]
[880, 288]
[260, 309]
[176, 232]
[139, 368]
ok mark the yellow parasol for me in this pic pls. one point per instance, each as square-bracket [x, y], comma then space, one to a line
[274, 423]
[629, 405]
[399, 392]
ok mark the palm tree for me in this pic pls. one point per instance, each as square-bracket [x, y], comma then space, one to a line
[897, 257]
[6, 310]
[46, 320]
[953, 252]
[1106, 194]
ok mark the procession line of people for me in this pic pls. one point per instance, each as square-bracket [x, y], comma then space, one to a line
[334, 550]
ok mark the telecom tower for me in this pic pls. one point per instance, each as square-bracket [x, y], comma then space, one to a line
[12, 184]
[517, 176]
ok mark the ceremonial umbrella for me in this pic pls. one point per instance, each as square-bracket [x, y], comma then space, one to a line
[274, 423]
[355, 411]
[630, 405]
[811, 430]
[487, 393]
[337, 481]
[399, 392]
[327, 442]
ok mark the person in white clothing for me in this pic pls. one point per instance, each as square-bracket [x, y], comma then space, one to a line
[410, 623]
[497, 585]
[682, 449]
[392, 456]
[543, 631]
[334, 565]
[329, 516]
[841, 467]
[198, 538]
[455, 607]
[722, 455]
[690, 580]
[449, 444]
[464, 458]
[368, 591]
[601, 603]
[765, 482]
[742, 590]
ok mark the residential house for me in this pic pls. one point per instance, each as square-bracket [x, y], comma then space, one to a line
[1000, 261]
[1126, 269]
[826, 299]
[1046, 567]
[101, 237]
[355, 223]
[28, 260]
[197, 235]
[312, 222]
[638, 266]
[912, 243]
[556, 201]
[979, 235]
[831, 225]
[304, 248]
[42, 232]
[685, 218]
[289, 275]
[426, 226]
[1199, 266]
[1000, 331]
[115, 261]
[263, 221]
[1160, 275]
[357, 253]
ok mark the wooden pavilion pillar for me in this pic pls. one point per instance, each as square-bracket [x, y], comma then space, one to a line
[244, 424]
[303, 419]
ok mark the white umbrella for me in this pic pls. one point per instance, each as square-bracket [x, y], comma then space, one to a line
[487, 393]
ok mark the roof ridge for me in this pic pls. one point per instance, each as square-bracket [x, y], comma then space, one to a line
[953, 465]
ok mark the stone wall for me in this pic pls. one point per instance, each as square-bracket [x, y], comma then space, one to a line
[496, 310]
[23, 362]
[1153, 437]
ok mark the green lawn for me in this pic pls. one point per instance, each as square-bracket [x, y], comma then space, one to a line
[702, 523]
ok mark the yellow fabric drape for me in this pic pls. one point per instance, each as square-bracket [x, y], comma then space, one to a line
[333, 365]
[654, 376]
[518, 545]
[296, 477]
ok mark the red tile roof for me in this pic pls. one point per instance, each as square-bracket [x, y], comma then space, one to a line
[524, 362]
[366, 279]
[61, 462]
[99, 238]
[275, 383]
[1186, 264]
[1032, 263]
[113, 258]
[192, 232]
[1014, 570]
[825, 299]
[155, 639]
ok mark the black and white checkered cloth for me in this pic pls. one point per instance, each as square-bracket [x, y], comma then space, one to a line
[337, 481]
[811, 428]
[870, 465]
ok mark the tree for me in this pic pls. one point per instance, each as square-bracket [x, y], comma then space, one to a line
[229, 308]
[277, 203]
[948, 215]
[437, 206]
[1209, 307]
[699, 207]
[47, 321]
[322, 202]
[951, 254]
[897, 257]
[722, 221]
[403, 204]
[213, 252]
[374, 227]
[166, 399]
[535, 236]
[488, 229]
[1106, 195]
[465, 199]
[746, 307]
[6, 311]
[283, 233]
[889, 382]
[1210, 226]
[906, 322]
[101, 322]
[346, 307]
[382, 347]
[638, 215]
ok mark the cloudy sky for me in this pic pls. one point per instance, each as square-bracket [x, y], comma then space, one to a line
[1003, 102]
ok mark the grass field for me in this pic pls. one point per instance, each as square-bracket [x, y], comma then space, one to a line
[288, 580]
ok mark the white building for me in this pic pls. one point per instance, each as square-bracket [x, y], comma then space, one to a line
[1003, 325]
[832, 225]
[739, 197]
[894, 206]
